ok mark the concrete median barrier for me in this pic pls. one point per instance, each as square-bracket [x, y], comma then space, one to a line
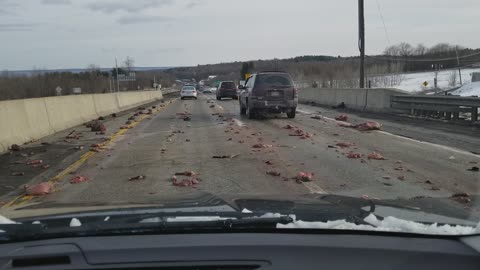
[28, 119]
[372, 99]
[22, 121]
[69, 111]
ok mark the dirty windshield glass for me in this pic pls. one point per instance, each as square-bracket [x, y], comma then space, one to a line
[359, 115]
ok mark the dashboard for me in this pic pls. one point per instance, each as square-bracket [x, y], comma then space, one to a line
[245, 251]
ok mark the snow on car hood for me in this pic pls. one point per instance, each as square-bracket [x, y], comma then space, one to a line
[388, 224]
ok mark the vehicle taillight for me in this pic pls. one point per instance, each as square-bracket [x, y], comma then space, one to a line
[295, 92]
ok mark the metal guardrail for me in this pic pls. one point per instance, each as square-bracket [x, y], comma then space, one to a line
[438, 106]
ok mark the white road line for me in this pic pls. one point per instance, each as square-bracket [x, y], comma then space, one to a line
[238, 122]
[304, 112]
[448, 148]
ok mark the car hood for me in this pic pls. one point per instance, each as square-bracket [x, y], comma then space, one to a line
[308, 207]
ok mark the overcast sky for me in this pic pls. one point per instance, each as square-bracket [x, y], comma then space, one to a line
[75, 33]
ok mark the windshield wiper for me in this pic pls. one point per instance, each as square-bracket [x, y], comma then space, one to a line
[28, 232]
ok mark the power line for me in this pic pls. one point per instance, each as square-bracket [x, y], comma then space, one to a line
[383, 22]
[400, 59]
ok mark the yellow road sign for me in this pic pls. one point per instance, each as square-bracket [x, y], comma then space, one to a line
[247, 75]
[425, 83]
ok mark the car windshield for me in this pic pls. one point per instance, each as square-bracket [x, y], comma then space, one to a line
[349, 115]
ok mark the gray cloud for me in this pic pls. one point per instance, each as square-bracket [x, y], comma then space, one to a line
[13, 27]
[143, 19]
[127, 6]
[56, 2]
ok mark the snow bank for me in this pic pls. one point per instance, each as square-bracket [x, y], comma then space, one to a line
[469, 89]
[413, 82]
[388, 224]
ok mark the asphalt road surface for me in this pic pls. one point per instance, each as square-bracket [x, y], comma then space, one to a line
[162, 144]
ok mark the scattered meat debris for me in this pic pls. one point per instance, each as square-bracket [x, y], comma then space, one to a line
[345, 144]
[114, 115]
[18, 174]
[186, 173]
[35, 162]
[375, 156]
[370, 125]
[273, 173]
[39, 189]
[268, 162]
[73, 135]
[97, 126]
[304, 177]
[461, 197]
[101, 118]
[474, 169]
[15, 147]
[317, 117]
[136, 178]
[126, 127]
[185, 182]
[78, 179]
[289, 127]
[401, 177]
[353, 155]
[341, 117]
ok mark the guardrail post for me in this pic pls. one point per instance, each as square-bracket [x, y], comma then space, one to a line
[456, 115]
[474, 114]
[448, 115]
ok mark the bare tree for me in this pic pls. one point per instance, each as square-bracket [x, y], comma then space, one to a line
[129, 63]
[420, 50]
[452, 78]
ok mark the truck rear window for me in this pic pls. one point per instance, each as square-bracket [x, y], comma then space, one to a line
[273, 80]
[228, 85]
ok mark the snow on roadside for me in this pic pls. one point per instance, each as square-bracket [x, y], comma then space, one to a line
[388, 224]
[412, 82]
[469, 89]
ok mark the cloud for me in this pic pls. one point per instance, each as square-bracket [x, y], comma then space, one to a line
[127, 6]
[12, 27]
[135, 19]
[56, 2]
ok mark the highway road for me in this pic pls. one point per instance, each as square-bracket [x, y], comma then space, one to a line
[159, 145]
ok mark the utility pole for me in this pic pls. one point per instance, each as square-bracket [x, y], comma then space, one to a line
[116, 67]
[458, 64]
[361, 41]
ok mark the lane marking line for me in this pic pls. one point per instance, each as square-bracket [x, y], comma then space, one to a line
[22, 199]
[444, 147]
[238, 122]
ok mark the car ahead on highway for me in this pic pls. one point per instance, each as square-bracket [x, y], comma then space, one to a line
[188, 91]
[270, 91]
[227, 89]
